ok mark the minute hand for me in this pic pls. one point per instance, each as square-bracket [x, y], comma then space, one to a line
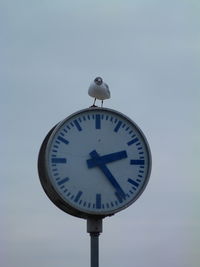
[96, 161]
[108, 174]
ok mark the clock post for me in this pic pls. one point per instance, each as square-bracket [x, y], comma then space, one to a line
[94, 228]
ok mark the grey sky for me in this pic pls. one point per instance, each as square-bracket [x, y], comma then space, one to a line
[148, 52]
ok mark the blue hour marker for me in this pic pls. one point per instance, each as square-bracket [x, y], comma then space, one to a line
[133, 182]
[133, 141]
[58, 160]
[63, 181]
[137, 162]
[78, 196]
[77, 125]
[60, 138]
[98, 121]
[98, 201]
[118, 126]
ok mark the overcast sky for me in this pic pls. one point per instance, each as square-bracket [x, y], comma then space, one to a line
[149, 54]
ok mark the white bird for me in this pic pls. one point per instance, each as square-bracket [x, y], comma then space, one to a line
[99, 90]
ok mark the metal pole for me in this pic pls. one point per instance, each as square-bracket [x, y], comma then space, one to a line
[94, 246]
[94, 227]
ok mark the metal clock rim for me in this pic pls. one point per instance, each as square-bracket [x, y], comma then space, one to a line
[68, 206]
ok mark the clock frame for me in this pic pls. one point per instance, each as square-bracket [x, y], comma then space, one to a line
[97, 161]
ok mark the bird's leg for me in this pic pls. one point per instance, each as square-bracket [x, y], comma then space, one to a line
[94, 101]
[101, 103]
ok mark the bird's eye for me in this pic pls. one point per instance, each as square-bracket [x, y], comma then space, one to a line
[98, 80]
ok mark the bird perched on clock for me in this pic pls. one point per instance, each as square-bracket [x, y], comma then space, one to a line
[99, 90]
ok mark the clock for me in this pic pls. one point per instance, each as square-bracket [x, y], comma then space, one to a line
[94, 163]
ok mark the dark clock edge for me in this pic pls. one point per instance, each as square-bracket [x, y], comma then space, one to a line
[49, 190]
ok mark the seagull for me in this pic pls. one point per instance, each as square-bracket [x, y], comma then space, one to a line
[99, 90]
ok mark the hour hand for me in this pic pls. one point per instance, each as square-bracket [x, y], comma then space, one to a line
[119, 191]
[100, 160]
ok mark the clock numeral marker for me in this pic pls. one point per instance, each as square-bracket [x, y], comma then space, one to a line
[63, 140]
[133, 141]
[118, 126]
[98, 201]
[63, 181]
[58, 160]
[78, 196]
[98, 121]
[77, 125]
[133, 182]
[137, 162]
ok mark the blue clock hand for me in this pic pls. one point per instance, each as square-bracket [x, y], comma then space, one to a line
[96, 161]
[108, 174]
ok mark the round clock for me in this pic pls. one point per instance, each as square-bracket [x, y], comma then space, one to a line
[95, 162]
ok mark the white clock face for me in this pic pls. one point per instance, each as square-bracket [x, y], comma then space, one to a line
[98, 161]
